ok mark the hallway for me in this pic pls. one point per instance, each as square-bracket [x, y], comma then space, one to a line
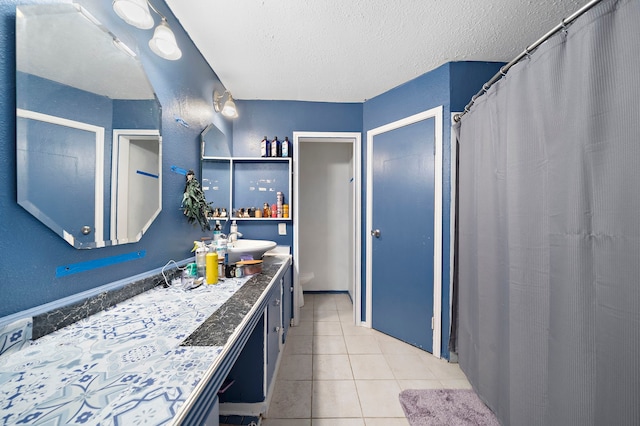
[334, 373]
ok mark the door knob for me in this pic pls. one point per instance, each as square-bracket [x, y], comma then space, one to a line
[375, 233]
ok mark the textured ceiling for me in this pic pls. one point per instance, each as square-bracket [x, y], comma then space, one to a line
[353, 50]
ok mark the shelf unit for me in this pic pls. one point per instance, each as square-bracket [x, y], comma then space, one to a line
[244, 182]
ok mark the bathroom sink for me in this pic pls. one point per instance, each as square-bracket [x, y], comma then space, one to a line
[253, 249]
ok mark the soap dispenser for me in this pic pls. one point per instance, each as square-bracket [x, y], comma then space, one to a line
[216, 231]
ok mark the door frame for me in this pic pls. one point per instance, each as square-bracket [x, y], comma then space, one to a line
[330, 137]
[119, 205]
[435, 113]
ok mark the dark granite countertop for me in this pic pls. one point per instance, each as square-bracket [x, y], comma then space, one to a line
[217, 329]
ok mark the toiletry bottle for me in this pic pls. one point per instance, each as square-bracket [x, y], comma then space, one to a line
[212, 267]
[279, 202]
[275, 147]
[285, 147]
[274, 210]
[201, 252]
[266, 211]
[216, 231]
[221, 249]
[233, 232]
[265, 147]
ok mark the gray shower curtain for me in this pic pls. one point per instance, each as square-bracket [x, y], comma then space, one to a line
[548, 253]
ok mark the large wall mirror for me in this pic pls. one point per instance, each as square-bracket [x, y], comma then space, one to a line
[88, 140]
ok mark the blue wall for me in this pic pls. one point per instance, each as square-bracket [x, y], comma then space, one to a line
[29, 251]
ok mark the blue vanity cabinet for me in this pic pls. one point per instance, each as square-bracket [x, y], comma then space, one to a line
[253, 372]
[287, 302]
[246, 377]
[273, 332]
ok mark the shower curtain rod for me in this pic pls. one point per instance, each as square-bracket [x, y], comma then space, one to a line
[503, 70]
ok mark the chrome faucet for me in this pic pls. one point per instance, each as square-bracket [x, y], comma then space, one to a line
[233, 236]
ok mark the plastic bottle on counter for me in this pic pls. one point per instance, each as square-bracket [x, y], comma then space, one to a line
[212, 267]
[201, 253]
[221, 250]
[265, 147]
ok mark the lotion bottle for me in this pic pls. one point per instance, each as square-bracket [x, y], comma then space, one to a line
[275, 147]
[265, 147]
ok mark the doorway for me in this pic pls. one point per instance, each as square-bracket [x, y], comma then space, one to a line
[326, 215]
[136, 188]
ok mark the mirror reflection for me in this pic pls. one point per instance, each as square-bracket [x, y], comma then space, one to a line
[214, 143]
[88, 129]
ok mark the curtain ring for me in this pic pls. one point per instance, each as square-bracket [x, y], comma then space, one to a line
[527, 52]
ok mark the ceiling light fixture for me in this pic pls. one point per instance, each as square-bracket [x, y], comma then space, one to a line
[137, 13]
[228, 108]
[164, 43]
[134, 12]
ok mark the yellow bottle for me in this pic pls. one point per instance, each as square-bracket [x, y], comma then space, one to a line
[212, 268]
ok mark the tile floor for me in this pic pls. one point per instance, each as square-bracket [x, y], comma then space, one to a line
[334, 373]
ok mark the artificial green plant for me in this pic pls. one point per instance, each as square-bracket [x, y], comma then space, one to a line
[194, 203]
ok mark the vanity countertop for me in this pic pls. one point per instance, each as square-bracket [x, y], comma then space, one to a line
[134, 363]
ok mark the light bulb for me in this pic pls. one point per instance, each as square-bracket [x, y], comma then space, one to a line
[134, 12]
[164, 43]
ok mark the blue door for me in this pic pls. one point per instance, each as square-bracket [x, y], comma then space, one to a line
[58, 176]
[402, 229]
